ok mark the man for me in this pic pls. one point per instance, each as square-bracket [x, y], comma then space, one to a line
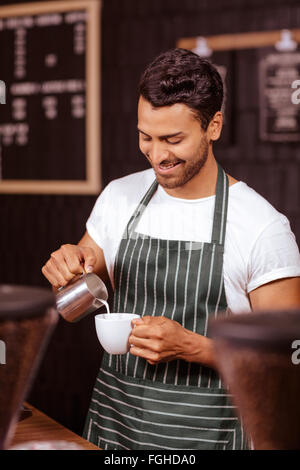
[180, 242]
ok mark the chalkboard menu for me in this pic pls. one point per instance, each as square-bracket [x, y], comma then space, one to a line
[50, 122]
[279, 115]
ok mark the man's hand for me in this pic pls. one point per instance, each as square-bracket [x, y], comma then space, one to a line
[71, 260]
[65, 263]
[159, 339]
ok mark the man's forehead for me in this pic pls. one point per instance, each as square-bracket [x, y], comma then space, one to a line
[172, 118]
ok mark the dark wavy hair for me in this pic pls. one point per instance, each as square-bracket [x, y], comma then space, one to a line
[181, 76]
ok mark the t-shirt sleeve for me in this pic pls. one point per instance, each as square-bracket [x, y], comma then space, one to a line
[274, 255]
[96, 224]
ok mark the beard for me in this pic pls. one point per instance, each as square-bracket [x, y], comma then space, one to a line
[189, 168]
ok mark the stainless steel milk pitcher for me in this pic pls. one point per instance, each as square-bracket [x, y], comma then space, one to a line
[81, 297]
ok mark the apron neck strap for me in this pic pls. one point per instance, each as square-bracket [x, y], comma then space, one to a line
[220, 212]
[221, 206]
[131, 226]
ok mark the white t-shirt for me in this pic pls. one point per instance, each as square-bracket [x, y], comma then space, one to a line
[259, 246]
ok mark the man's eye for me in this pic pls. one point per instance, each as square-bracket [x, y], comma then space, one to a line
[146, 139]
[174, 142]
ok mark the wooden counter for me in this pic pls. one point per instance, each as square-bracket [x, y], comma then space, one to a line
[39, 427]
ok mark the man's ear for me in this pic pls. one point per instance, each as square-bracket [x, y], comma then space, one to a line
[215, 126]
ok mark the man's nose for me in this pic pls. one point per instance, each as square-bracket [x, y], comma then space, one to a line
[158, 153]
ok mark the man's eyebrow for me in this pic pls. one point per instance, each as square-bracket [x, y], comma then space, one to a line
[162, 136]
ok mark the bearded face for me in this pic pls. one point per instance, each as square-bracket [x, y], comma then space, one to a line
[172, 140]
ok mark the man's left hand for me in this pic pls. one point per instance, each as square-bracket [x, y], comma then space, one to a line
[157, 339]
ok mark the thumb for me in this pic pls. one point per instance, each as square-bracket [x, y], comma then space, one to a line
[88, 269]
[89, 259]
[137, 321]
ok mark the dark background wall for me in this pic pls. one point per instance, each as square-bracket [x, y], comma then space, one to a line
[133, 33]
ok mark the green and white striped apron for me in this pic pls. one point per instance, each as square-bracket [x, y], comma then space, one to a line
[173, 405]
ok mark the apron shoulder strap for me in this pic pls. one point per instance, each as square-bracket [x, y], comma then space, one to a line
[139, 210]
[221, 206]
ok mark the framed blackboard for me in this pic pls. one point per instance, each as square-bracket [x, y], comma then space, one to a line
[279, 116]
[50, 123]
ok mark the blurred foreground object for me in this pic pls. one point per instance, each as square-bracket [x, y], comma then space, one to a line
[257, 357]
[27, 318]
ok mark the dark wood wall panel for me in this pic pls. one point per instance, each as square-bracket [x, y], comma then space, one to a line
[133, 33]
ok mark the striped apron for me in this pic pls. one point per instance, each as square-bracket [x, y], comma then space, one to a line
[173, 405]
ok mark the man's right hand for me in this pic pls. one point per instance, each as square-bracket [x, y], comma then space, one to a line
[70, 260]
[67, 262]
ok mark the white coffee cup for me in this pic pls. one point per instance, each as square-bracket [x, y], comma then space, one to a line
[113, 331]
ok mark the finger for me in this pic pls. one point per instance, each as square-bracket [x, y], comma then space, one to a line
[59, 266]
[156, 322]
[89, 258]
[142, 331]
[49, 276]
[147, 320]
[151, 330]
[56, 265]
[145, 343]
[137, 321]
[54, 279]
[145, 353]
[73, 259]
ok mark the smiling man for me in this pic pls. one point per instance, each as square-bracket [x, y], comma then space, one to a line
[181, 242]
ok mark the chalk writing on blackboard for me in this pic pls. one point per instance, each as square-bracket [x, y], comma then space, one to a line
[279, 117]
[49, 128]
